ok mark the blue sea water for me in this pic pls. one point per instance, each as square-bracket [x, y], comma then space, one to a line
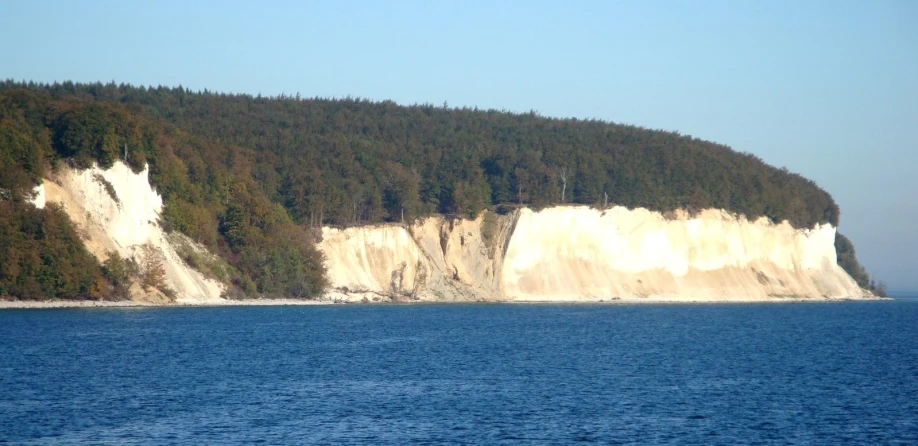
[812, 373]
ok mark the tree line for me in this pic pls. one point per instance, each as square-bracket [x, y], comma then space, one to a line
[209, 189]
[241, 173]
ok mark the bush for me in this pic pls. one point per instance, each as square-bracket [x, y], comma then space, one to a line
[152, 271]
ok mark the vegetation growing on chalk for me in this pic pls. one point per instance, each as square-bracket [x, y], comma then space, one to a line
[209, 189]
[847, 259]
[212, 266]
[109, 189]
[489, 231]
[120, 272]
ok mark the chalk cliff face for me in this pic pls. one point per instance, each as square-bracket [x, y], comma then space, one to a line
[583, 254]
[572, 253]
[565, 253]
[118, 210]
[434, 259]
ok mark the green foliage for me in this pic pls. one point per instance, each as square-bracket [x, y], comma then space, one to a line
[847, 259]
[42, 255]
[109, 188]
[150, 266]
[212, 266]
[120, 272]
[22, 151]
[351, 160]
[489, 229]
[278, 257]
[214, 193]
[248, 176]
[94, 132]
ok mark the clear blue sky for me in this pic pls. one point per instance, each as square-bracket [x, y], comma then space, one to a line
[828, 89]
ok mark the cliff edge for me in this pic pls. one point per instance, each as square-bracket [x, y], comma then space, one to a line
[116, 210]
[575, 253]
[566, 253]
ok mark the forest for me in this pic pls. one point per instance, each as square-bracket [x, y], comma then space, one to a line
[246, 175]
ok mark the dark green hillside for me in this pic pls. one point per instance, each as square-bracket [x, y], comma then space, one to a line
[354, 160]
[209, 190]
[41, 255]
[237, 170]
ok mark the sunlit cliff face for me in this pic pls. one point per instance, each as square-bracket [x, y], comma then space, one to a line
[557, 254]
[578, 253]
[118, 210]
[562, 253]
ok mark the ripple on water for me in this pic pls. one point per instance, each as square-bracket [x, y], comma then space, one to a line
[463, 374]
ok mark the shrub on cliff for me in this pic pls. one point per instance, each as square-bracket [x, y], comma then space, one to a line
[42, 256]
[847, 259]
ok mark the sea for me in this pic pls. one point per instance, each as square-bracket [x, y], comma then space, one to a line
[770, 373]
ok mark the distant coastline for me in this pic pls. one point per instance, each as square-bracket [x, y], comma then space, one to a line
[169, 197]
[61, 304]
[26, 304]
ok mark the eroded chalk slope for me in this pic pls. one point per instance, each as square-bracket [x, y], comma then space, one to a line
[118, 210]
[576, 253]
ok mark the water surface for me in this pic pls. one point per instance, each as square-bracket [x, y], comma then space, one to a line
[741, 373]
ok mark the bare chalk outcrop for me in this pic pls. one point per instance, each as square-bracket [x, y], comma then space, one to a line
[575, 253]
[571, 253]
[118, 210]
[568, 253]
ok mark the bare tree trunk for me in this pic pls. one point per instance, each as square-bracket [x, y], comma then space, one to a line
[563, 174]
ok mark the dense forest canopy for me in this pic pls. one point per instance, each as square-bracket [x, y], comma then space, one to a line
[209, 189]
[355, 160]
[246, 175]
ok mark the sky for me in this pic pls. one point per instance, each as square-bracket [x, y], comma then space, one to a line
[828, 89]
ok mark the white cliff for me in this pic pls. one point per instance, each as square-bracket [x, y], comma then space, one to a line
[571, 253]
[433, 260]
[583, 254]
[123, 219]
